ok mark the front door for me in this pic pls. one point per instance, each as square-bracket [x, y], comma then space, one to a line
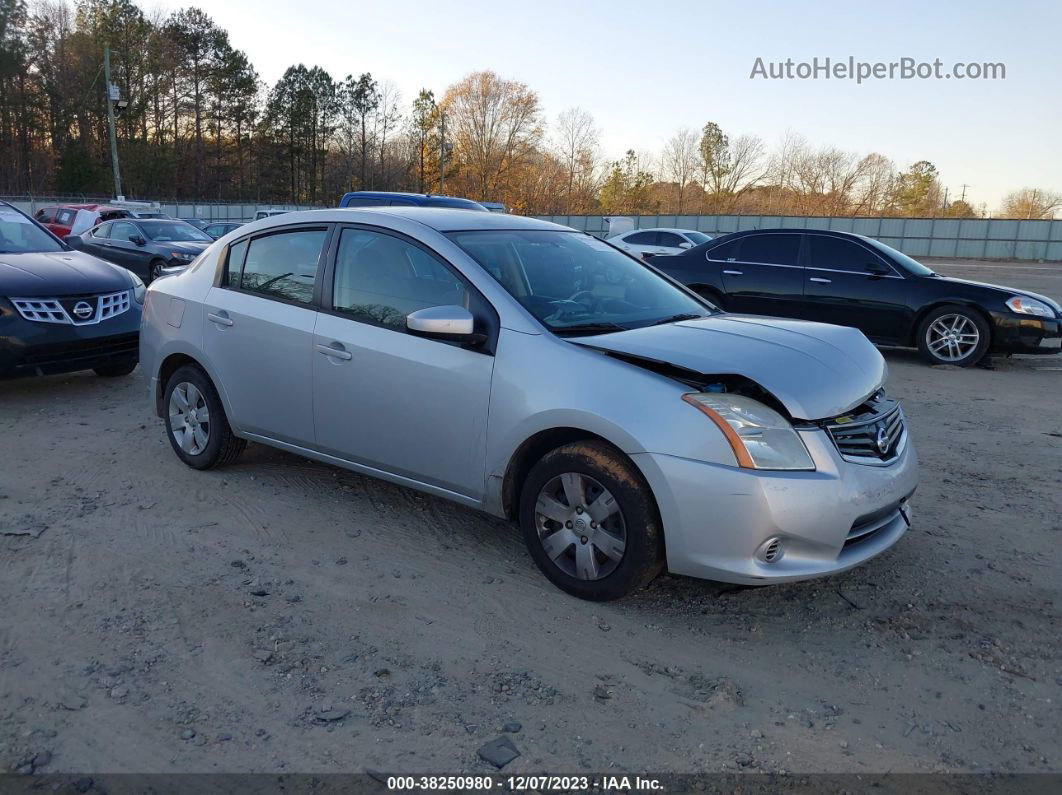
[762, 275]
[385, 398]
[848, 284]
[258, 332]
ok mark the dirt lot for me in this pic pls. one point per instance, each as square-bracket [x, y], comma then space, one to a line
[283, 615]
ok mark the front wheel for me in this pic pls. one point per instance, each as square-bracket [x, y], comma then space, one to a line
[196, 424]
[953, 335]
[590, 522]
[155, 272]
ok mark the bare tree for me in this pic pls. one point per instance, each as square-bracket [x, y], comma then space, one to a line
[496, 126]
[1031, 204]
[576, 143]
[681, 160]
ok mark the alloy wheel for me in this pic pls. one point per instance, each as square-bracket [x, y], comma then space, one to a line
[580, 526]
[952, 338]
[189, 418]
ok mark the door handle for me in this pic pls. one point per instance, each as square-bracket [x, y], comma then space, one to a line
[220, 319]
[734, 273]
[819, 280]
[337, 353]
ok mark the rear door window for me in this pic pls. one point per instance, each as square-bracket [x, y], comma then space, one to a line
[642, 239]
[284, 265]
[772, 249]
[65, 217]
[725, 252]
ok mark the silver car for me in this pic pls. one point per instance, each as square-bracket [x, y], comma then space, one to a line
[625, 424]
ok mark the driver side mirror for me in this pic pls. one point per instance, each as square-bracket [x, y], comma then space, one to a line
[453, 323]
[137, 239]
[876, 269]
[685, 244]
[74, 241]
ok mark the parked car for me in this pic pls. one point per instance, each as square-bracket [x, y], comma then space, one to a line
[73, 219]
[369, 198]
[260, 214]
[479, 357]
[62, 310]
[150, 248]
[495, 207]
[649, 242]
[198, 223]
[851, 280]
[221, 228]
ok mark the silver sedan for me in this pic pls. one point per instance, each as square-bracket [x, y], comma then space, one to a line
[539, 374]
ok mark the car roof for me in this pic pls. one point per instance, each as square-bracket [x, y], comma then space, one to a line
[441, 219]
[661, 229]
[791, 230]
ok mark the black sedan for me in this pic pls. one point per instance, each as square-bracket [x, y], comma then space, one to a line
[851, 280]
[62, 310]
[147, 247]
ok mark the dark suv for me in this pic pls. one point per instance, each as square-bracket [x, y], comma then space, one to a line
[62, 310]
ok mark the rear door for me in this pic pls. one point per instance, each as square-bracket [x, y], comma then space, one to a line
[258, 331]
[390, 400]
[850, 285]
[96, 241]
[763, 274]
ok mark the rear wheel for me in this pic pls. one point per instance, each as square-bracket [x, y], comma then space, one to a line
[590, 523]
[196, 424]
[954, 335]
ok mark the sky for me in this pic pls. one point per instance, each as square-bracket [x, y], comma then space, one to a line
[646, 69]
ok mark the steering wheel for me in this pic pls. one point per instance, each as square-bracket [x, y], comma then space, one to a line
[591, 305]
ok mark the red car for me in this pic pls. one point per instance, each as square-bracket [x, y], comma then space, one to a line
[67, 219]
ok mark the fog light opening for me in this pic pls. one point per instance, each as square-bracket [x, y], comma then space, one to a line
[771, 550]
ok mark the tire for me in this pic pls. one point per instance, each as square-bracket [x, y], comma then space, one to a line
[953, 334]
[603, 471]
[212, 443]
[155, 270]
[115, 370]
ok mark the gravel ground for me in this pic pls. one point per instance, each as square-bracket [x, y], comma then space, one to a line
[286, 616]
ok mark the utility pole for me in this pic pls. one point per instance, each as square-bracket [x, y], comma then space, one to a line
[964, 186]
[442, 151]
[109, 94]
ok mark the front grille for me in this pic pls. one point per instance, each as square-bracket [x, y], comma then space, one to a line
[875, 440]
[119, 345]
[41, 310]
[77, 310]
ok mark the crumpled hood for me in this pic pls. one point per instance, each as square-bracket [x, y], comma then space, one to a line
[37, 275]
[816, 370]
[1007, 291]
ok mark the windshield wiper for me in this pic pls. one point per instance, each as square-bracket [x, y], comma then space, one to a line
[589, 328]
[677, 318]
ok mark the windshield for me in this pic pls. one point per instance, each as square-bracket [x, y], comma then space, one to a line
[19, 235]
[575, 283]
[901, 259]
[175, 232]
[697, 237]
